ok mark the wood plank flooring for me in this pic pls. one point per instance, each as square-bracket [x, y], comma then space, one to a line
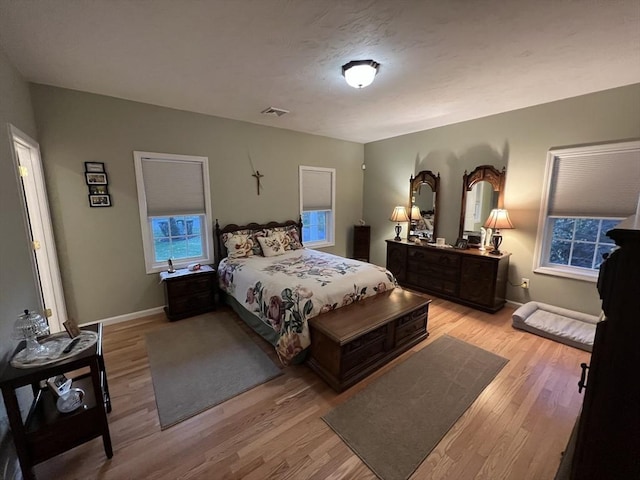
[516, 429]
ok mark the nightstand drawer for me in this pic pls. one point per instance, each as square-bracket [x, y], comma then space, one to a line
[199, 282]
[196, 301]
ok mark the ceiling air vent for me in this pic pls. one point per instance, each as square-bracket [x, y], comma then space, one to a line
[274, 112]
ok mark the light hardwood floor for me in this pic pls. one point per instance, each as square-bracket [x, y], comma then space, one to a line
[516, 429]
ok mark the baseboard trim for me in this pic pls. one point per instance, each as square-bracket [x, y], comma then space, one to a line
[511, 303]
[127, 316]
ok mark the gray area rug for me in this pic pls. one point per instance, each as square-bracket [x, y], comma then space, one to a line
[394, 423]
[201, 362]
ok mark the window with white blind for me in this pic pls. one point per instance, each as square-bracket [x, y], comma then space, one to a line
[588, 190]
[175, 209]
[317, 206]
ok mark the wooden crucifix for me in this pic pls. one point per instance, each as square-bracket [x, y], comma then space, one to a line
[258, 176]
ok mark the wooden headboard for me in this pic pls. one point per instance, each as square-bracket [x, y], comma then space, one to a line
[221, 250]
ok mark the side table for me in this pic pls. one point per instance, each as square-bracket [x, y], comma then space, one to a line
[46, 432]
[188, 293]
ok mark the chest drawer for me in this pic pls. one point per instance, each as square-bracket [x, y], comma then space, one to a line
[411, 325]
[365, 349]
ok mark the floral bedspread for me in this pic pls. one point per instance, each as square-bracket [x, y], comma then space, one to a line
[287, 290]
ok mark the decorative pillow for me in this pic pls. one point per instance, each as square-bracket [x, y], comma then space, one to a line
[255, 234]
[294, 238]
[251, 234]
[238, 245]
[271, 246]
[289, 238]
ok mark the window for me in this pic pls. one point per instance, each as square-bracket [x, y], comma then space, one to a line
[579, 242]
[588, 191]
[317, 206]
[175, 209]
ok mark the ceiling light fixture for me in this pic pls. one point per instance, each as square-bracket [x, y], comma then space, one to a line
[360, 73]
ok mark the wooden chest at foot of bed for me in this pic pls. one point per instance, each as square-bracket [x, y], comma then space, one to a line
[351, 342]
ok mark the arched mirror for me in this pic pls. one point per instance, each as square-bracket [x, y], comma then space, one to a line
[482, 191]
[423, 199]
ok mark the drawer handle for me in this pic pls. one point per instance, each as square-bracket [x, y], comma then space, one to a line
[583, 377]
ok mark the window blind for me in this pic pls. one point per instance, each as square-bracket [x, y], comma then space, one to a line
[173, 187]
[316, 190]
[598, 184]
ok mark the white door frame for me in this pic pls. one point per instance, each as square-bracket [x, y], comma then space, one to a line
[26, 154]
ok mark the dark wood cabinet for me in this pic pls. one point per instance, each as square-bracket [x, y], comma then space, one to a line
[46, 432]
[473, 278]
[189, 293]
[608, 433]
[351, 342]
[361, 242]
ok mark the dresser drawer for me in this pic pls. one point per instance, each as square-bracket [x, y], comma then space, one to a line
[433, 270]
[434, 283]
[433, 257]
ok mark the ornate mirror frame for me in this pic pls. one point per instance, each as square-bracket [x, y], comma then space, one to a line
[426, 177]
[482, 173]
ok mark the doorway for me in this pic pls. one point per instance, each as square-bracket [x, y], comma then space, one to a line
[26, 152]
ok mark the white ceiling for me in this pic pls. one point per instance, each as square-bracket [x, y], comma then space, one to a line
[442, 61]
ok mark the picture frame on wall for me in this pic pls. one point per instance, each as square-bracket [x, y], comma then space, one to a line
[98, 190]
[94, 167]
[99, 200]
[94, 178]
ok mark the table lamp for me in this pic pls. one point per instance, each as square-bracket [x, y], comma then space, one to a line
[414, 215]
[399, 214]
[498, 219]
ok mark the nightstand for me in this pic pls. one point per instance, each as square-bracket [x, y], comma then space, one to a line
[188, 293]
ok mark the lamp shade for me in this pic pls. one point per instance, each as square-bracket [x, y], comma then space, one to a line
[399, 214]
[498, 219]
[360, 73]
[415, 212]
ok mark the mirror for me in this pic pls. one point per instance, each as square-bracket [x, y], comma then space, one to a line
[482, 191]
[423, 199]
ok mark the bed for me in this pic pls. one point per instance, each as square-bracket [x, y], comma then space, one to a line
[276, 285]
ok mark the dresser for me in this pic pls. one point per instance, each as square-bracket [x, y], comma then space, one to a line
[189, 293]
[470, 277]
[361, 242]
[608, 433]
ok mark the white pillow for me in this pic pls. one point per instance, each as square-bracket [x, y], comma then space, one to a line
[271, 246]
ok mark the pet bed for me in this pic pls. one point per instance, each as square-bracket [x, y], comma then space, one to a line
[559, 324]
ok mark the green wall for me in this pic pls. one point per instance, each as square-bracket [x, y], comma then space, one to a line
[518, 140]
[17, 283]
[100, 249]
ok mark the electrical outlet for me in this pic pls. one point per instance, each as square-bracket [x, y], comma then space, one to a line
[524, 283]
